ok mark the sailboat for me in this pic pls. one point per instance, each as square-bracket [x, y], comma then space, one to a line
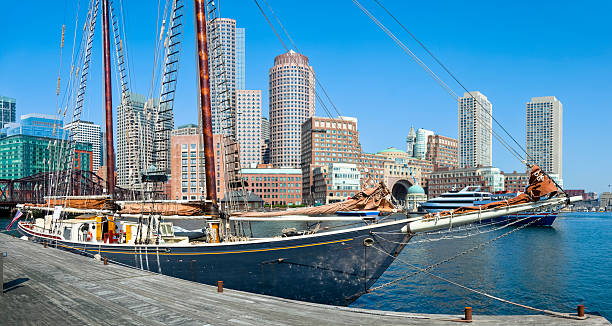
[330, 266]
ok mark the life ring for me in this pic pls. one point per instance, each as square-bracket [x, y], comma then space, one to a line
[88, 236]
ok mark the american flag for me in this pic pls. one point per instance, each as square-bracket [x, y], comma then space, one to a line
[17, 216]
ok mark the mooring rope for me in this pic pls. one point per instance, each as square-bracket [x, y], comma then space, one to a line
[430, 267]
[422, 270]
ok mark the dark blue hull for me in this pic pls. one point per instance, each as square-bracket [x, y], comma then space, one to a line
[543, 219]
[331, 268]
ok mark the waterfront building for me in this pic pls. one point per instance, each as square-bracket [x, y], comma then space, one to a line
[335, 182]
[248, 126]
[275, 186]
[88, 132]
[402, 172]
[325, 141]
[188, 181]
[516, 181]
[36, 124]
[605, 201]
[139, 140]
[489, 179]
[411, 142]
[372, 169]
[420, 147]
[442, 152]
[8, 110]
[544, 138]
[25, 155]
[225, 78]
[415, 196]
[292, 101]
[475, 125]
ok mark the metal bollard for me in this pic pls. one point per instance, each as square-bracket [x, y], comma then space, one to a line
[45, 244]
[105, 260]
[468, 314]
[580, 310]
[220, 286]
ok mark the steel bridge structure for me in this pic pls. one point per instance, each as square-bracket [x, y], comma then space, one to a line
[34, 188]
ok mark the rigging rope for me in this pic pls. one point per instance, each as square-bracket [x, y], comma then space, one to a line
[426, 271]
[436, 78]
[358, 153]
[528, 156]
[432, 266]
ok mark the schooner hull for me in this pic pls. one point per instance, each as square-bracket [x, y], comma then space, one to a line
[330, 268]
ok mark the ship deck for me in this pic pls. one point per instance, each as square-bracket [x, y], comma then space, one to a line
[49, 286]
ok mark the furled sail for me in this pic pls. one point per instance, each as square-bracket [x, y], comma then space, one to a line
[78, 202]
[370, 199]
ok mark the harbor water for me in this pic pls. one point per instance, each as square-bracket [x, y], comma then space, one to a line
[552, 268]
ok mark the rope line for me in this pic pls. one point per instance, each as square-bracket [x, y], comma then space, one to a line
[432, 266]
[423, 270]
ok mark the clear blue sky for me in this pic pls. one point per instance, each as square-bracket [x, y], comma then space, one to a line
[510, 51]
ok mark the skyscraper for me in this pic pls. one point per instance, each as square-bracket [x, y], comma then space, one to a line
[240, 59]
[410, 142]
[544, 143]
[475, 123]
[8, 110]
[226, 62]
[420, 147]
[135, 140]
[88, 132]
[248, 126]
[292, 101]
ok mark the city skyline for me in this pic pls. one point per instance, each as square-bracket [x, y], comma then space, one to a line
[473, 64]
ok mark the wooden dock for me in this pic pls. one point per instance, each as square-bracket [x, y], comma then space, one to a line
[47, 286]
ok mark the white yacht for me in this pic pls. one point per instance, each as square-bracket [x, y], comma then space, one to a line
[455, 199]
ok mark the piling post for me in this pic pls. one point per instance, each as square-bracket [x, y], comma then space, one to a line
[220, 286]
[2, 273]
[468, 314]
[580, 310]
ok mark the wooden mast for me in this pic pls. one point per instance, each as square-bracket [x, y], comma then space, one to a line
[108, 103]
[205, 104]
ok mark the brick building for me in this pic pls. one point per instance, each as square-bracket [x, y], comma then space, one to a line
[442, 152]
[188, 180]
[516, 181]
[275, 186]
[489, 179]
[325, 141]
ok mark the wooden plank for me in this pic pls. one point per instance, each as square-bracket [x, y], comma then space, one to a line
[50, 286]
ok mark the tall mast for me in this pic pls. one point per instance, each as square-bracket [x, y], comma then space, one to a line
[204, 100]
[108, 103]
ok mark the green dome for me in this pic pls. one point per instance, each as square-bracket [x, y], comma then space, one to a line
[391, 150]
[416, 189]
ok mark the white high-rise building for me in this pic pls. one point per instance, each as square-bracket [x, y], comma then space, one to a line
[544, 141]
[475, 123]
[420, 146]
[136, 148]
[292, 101]
[227, 65]
[248, 126]
[88, 132]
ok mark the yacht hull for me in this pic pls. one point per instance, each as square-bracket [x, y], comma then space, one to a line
[330, 268]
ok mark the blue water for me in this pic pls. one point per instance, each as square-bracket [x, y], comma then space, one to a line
[553, 268]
